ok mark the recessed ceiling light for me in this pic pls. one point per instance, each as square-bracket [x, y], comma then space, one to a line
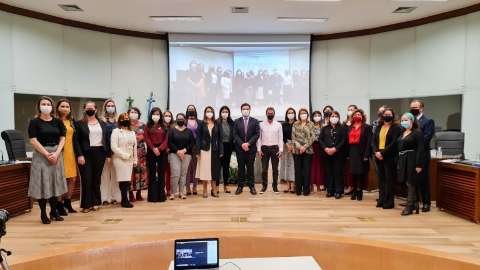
[419, 0]
[176, 18]
[313, 0]
[301, 19]
[404, 9]
[239, 9]
[69, 7]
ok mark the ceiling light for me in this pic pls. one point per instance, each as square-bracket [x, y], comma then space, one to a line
[313, 0]
[404, 9]
[301, 19]
[68, 7]
[419, 0]
[176, 18]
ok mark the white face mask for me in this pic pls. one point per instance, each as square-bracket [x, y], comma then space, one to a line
[349, 113]
[245, 113]
[317, 118]
[133, 116]
[155, 118]
[46, 109]
[110, 109]
[167, 119]
[209, 115]
[225, 115]
[303, 116]
[334, 120]
[291, 116]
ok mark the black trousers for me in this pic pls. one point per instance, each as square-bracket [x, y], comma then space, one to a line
[270, 153]
[302, 165]
[156, 174]
[334, 166]
[386, 179]
[225, 162]
[245, 160]
[91, 174]
[358, 181]
[424, 181]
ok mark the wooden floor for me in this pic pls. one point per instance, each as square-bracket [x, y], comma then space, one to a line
[268, 212]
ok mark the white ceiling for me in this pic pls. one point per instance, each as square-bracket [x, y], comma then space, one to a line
[343, 16]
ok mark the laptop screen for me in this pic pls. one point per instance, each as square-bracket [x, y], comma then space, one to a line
[196, 253]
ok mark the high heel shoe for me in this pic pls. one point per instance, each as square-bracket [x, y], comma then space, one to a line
[408, 210]
[45, 219]
[55, 216]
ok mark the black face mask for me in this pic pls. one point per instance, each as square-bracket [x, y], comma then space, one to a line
[270, 116]
[180, 123]
[125, 123]
[388, 118]
[191, 114]
[90, 112]
[327, 113]
[415, 111]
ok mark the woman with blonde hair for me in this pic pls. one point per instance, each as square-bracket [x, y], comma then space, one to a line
[109, 187]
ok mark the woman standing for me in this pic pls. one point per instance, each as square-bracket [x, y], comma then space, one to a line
[156, 139]
[47, 175]
[327, 112]
[181, 144]
[386, 151]
[211, 150]
[225, 124]
[124, 148]
[332, 142]
[318, 170]
[168, 123]
[302, 139]
[411, 154]
[193, 124]
[348, 176]
[92, 138]
[64, 113]
[287, 169]
[139, 173]
[109, 186]
[359, 136]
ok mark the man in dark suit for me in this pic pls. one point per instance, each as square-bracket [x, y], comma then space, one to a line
[246, 131]
[427, 126]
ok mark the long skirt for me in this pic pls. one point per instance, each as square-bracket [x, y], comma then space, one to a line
[46, 180]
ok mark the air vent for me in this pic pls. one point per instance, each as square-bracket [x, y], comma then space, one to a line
[70, 7]
[239, 9]
[404, 9]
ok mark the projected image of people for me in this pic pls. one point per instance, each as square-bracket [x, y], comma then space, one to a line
[264, 76]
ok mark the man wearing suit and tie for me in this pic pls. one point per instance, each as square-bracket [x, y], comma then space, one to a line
[427, 126]
[246, 131]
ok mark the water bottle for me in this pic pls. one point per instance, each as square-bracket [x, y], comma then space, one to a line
[439, 152]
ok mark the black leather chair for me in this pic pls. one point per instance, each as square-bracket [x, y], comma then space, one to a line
[15, 144]
[451, 142]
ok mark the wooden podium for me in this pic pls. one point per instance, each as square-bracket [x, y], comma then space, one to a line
[14, 188]
[459, 190]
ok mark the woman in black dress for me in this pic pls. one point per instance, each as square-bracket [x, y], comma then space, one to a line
[359, 138]
[411, 153]
[225, 124]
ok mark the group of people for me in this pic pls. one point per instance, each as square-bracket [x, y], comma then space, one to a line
[117, 155]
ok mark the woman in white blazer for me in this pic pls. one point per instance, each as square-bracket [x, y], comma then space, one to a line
[124, 148]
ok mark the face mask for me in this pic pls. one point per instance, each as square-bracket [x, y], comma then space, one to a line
[388, 118]
[327, 113]
[245, 113]
[415, 111]
[349, 113]
[180, 123]
[225, 115]
[125, 123]
[270, 117]
[90, 112]
[334, 120]
[209, 115]
[357, 118]
[303, 116]
[405, 124]
[191, 114]
[167, 119]
[46, 109]
[156, 118]
[317, 119]
[291, 116]
[133, 116]
[110, 109]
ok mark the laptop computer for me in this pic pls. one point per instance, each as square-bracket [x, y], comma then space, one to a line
[196, 254]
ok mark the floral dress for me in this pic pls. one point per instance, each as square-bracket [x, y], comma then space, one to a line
[140, 172]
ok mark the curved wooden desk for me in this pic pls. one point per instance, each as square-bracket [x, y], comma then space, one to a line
[155, 252]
